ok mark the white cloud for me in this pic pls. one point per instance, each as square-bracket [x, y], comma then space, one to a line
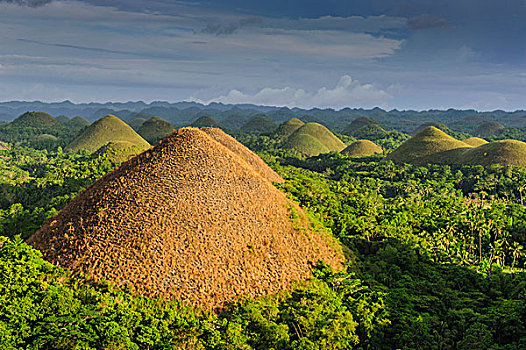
[346, 93]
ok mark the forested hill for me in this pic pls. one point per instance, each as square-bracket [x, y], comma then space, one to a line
[235, 116]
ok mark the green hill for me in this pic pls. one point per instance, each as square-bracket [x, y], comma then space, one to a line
[286, 129]
[429, 141]
[118, 151]
[259, 125]
[358, 124]
[77, 123]
[43, 141]
[362, 148]
[475, 141]
[488, 129]
[155, 129]
[503, 152]
[137, 123]
[312, 139]
[437, 125]
[62, 118]
[107, 129]
[38, 120]
[205, 121]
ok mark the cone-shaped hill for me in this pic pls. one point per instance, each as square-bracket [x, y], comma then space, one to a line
[248, 156]
[313, 139]
[107, 129]
[475, 141]
[362, 148]
[436, 125]
[77, 123]
[136, 123]
[36, 120]
[205, 121]
[189, 220]
[504, 152]
[429, 141]
[489, 129]
[155, 129]
[63, 119]
[287, 128]
[358, 124]
[259, 125]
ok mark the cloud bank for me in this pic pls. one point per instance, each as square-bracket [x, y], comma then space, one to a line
[346, 93]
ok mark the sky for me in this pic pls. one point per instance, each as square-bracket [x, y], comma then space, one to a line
[403, 54]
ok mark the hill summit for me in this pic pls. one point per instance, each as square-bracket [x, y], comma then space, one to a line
[36, 120]
[188, 219]
[427, 142]
[313, 139]
[105, 130]
[362, 148]
[286, 129]
[155, 129]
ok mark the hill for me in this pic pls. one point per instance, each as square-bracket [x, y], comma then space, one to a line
[205, 121]
[107, 129]
[118, 151]
[137, 123]
[503, 152]
[247, 155]
[436, 125]
[358, 124]
[38, 120]
[62, 118]
[77, 123]
[474, 141]
[362, 148]
[155, 129]
[259, 125]
[488, 129]
[286, 129]
[312, 139]
[427, 142]
[189, 220]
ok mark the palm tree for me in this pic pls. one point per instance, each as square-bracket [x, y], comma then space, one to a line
[517, 253]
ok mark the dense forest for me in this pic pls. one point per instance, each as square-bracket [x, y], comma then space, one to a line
[435, 254]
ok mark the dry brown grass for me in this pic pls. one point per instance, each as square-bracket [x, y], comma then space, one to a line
[188, 219]
[248, 156]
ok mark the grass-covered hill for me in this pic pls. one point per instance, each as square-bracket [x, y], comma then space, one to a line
[62, 118]
[428, 141]
[137, 123]
[259, 125]
[312, 139]
[25, 130]
[117, 152]
[155, 129]
[359, 123]
[436, 125]
[287, 128]
[474, 141]
[205, 121]
[504, 152]
[77, 123]
[488, 129]
[105, 130]
[38, 120]
[362, 148]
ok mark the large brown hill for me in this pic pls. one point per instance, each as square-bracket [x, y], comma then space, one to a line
[189, 220]
[250, 157]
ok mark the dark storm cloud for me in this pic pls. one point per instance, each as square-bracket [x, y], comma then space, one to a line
[426, 21]
[29, 3]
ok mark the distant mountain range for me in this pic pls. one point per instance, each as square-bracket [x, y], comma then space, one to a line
[183, 113]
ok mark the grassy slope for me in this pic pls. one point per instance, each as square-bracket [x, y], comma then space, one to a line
[259, 125]
[313, 139]
[427, 142]
[362, 148]
[155, 129]
[104, 130]
[287, 128]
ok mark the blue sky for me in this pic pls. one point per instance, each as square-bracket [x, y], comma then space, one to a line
[412, 54]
